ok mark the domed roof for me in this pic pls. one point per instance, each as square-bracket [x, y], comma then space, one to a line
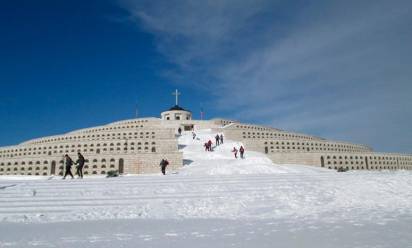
[177, 107]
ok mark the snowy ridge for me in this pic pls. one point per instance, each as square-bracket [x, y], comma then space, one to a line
[213, 185]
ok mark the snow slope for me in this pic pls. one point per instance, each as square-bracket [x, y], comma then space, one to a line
[221, 161]
[244, 196]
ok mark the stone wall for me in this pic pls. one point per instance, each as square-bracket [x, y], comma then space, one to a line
[132, 146]
[95, 164]
[293, 148]
[137, 146]
[350, 161]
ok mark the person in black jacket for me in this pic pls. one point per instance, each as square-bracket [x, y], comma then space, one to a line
[80, 163]
[163, 164]
[69, 163]
[242, 151]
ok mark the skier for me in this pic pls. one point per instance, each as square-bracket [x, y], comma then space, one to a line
[163, 165]
[209, 144]
[80, 163]
[179, 131]
[235, 151]
[69, 163]
[206, 145]
[217, 138]
[194, 135]
[221, 138]
[242, 151]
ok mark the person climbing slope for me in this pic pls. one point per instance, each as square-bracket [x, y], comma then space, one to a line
[217, 138]
[234, 151]
[242, 151]
[209, 144]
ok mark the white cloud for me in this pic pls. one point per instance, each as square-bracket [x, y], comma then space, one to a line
[338, 70]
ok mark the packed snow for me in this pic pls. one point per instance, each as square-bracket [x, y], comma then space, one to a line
[214, 200]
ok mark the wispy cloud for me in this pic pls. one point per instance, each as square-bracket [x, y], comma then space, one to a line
[340, 70]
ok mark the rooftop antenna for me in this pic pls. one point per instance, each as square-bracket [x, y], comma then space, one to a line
[202, 113]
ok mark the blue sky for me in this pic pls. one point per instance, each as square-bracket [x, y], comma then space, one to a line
[337, 69]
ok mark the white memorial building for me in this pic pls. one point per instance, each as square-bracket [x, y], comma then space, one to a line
[137, 145]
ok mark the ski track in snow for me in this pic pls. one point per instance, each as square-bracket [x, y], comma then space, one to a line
[214, 197]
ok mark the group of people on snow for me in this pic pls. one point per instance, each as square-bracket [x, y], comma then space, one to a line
[81, 161]
[163, 163]
[219, 139]
[241, 152]
[208, 144]
[69, 163]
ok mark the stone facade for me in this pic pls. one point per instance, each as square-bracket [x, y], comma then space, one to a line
[176, 115]
[136, 146]
[132, 146]
[284, 147]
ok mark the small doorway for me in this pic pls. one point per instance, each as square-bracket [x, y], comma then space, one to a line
[322, 161]
[266, 150]
[121, 166]
[53, 168]
[366, 162]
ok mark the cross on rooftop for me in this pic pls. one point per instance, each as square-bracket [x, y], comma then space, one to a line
[177, 94]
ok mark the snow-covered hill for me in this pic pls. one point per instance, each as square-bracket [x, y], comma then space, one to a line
[221, 161]
[214, 198]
